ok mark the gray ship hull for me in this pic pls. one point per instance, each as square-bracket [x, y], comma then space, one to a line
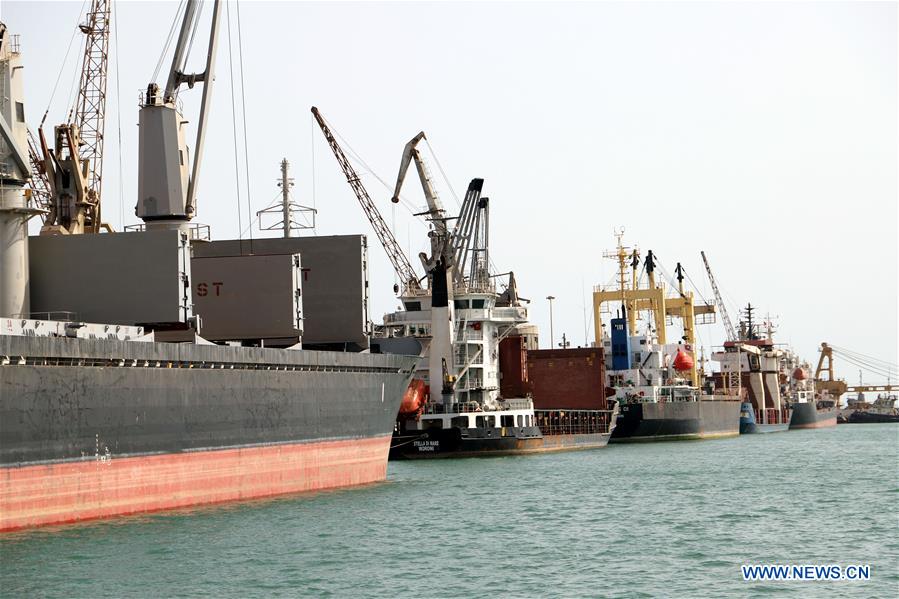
[95, 428]
[671, 421]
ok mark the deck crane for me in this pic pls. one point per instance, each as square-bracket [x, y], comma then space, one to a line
[439, 266]
[166, 180]
[395, 253]
[441, 257]
[74, 168]
[38, 185]
[728, 325]
[471, 241]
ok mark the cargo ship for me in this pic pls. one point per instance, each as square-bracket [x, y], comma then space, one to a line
[95, 424]
[157, 378]
[813, 407]
[455, 407]
[546, 400]
[656, 384]
[752, 368]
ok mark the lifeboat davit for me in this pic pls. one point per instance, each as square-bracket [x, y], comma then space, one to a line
[414, 397]
[683, 361]
[799, 374]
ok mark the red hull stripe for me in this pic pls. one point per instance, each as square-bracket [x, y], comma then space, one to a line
[71, 492]
[819, 424]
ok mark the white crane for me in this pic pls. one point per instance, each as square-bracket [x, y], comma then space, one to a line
[728, 325]
[167, 182]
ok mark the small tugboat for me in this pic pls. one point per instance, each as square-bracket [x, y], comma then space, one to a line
[657, 384]
[859, 411]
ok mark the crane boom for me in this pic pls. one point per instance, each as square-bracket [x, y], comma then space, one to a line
[74, 167]
[398, 258]
[38, 184]
[435, 207]
[90, 109]
[728, 325]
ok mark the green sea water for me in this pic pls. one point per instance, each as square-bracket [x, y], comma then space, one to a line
[654, 520]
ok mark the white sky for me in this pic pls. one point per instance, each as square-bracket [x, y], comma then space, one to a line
[763, 133]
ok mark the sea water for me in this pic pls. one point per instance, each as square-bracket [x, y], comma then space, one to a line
[674, 519]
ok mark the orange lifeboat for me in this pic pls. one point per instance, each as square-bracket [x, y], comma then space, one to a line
[683, 361]
[414, 397]
[799, 374]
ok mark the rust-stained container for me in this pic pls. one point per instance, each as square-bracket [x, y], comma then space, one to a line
[513, 367]
[569, 379]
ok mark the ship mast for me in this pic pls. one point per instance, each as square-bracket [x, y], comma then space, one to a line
[287, 208]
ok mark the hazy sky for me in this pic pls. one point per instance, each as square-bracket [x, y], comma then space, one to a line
[763, 133]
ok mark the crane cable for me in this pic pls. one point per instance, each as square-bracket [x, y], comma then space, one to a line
[443, 173]
[312, 140]
[243, 101]
[63, 66]
[240, 228]
[190, 45]
[168, 41]
[843, 350]
[355, 155]
[118, 98]
[867, 367]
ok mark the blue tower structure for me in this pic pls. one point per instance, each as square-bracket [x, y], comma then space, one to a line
[621, 342]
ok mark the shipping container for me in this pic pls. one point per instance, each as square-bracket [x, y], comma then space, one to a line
[567, 379]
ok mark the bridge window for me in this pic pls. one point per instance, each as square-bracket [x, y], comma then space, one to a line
[460, 421]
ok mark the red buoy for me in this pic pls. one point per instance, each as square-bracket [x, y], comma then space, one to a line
[683, 361]
[414, 397]
[799, 374]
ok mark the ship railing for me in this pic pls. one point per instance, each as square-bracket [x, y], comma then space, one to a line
[195, 231]
[465, 407]
[470, 335]
[518, 403]
[55, 315]
[122, 362]
[774, 415]
[573, 422]
[513, 313]
[468, 407]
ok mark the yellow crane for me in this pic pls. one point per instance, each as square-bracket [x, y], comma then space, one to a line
[826, 381]
[654, 299]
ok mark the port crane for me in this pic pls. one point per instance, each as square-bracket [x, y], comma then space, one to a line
[826, 381]
[398, 259]
[725, 318]
[73, 170]
[465, 247]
